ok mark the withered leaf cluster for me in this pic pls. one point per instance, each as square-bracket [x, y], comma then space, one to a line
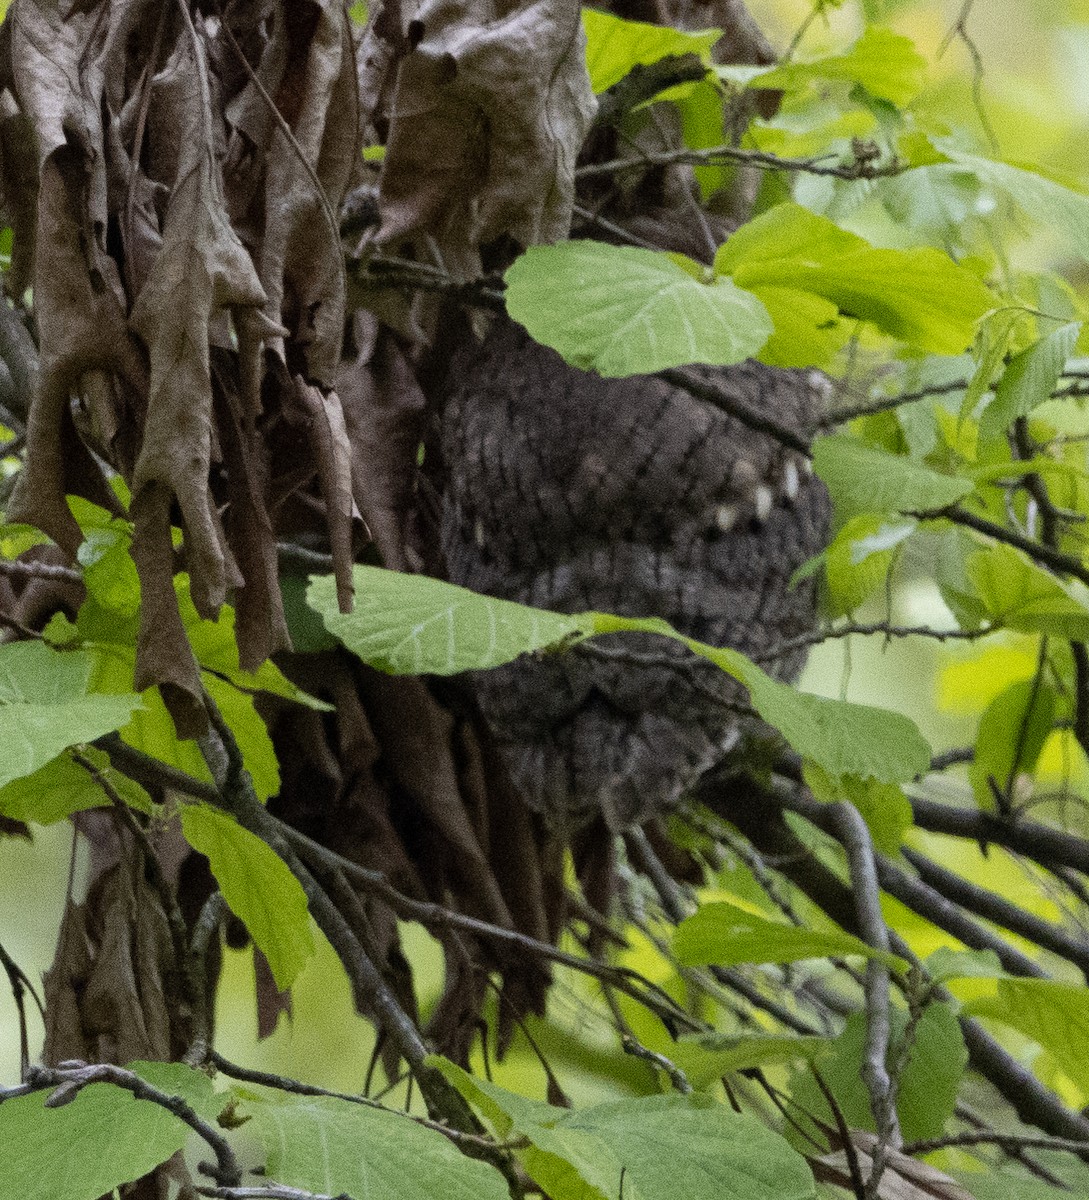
[188, 291]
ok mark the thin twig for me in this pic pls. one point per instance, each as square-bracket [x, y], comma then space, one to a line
[863, 168]
[854, 836]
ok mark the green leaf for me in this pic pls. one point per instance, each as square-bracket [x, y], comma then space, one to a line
[928, 1084]
[1012, 732]
[63, 787]
[82, 1150]
[722, 934]
[45, 708]
[663, 1146]
[1018, 594]
[919, 295]
[808, 328]
[946, 964]
[863, 478]
[258, 887]
[858, 561]
[622, 310]
[1045, 202]
[883, 806]
[109, 572]
[177, 1079]
[885, 63]
[251, 733]
[615, 46]
[414, 625]
[1056, 1015]
[706, 1057]
[326, 1145]
[1028, 380]
[216, 649]
[411, 624]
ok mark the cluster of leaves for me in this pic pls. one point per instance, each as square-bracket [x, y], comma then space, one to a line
[957, 465]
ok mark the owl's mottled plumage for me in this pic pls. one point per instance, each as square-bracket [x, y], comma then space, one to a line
[572, 492]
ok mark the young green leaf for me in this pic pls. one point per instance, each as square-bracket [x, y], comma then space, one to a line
[622, 310]
[1012, 732]
[62, 787]
[414, 625]
[581, 1154]
[45, 708]
[928, 1084]
[883, 806]
[1043, 200]
[614, 46]
[1028, 380]
[1056, 1015]
[104, 1138]
[945, 964]
[723, 934]
[257, 886]
[706, 1057]
[1018, 594]
[919, 295]
[863, 478]
[885, 63]
[332, 1147]
[411, 624]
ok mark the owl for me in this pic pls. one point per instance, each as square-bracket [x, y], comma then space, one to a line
[570, 491]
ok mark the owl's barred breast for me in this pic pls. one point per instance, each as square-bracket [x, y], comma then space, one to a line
[572, 492]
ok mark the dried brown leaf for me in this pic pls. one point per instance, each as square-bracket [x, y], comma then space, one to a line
[384, 411]
[201, 272]
[491, 107]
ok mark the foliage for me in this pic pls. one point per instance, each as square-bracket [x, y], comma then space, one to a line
[817, 977]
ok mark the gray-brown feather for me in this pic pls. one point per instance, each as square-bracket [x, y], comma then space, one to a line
[572, 492]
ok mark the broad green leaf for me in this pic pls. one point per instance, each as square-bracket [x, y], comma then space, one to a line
[251, 733]
[82, 1150]
[863, 478]
[411, 624]
[1056, 1015]
[333, 1147]
[622, 310]
[706, 1057]
[45, 708]
[722, 934]
[946, 964]
[1050, 204]
[808, 328]
[928, 1084]
[1018, 594]
[859, 558]
[216, 649]
[883, 806]
[615, 46]
[1012, 732]
[63, 787]
[664, 1146]
[414, 625]
[885, 63]
[177, 1079]
[109, 572]
[1028, 380]
[258, 887]
[1004, 1185]
[919, 295]
[842, 737]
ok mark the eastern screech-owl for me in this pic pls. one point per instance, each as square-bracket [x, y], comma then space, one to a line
[573, 492]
